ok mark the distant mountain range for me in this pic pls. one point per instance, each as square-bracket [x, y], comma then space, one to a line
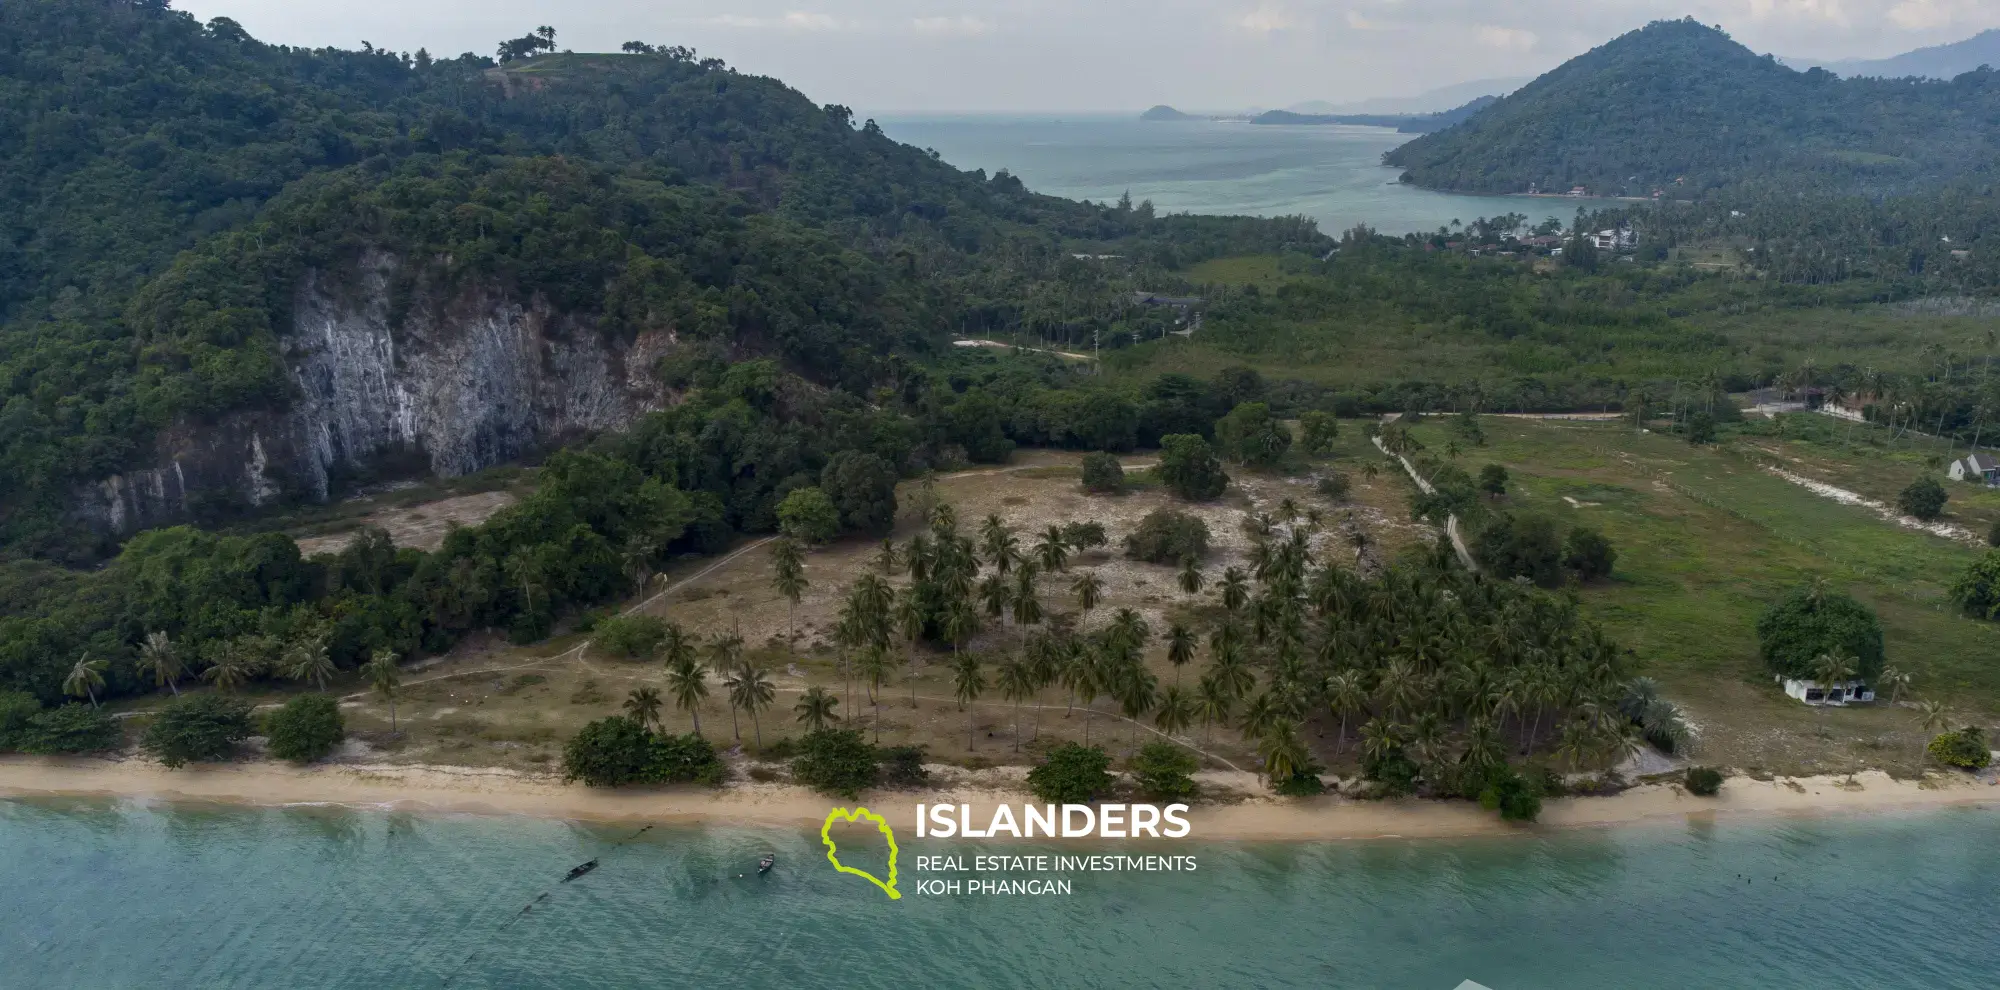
[1678, 107]
[1439, 100]
[1936, 62]
[1422, 123]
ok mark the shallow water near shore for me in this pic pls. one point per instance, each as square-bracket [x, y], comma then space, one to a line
[103, 894]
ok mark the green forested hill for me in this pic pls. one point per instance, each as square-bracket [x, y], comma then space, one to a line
[164, 183]
[1678, 106]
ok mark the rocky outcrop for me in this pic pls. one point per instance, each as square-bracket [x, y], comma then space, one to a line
[459, 381]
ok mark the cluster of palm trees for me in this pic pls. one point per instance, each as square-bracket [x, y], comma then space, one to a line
[747, 687]
[1953, 399]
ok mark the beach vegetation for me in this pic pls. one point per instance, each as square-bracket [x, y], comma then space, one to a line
[17, 713]
[903, 766]
[619, 752]
[203, 728]
[1965, 749]
[1164, 771]
[1071, 773]
[836, 761]
[1703, 781]
[305, 728]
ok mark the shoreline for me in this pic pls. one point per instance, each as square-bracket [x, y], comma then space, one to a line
[497, 792]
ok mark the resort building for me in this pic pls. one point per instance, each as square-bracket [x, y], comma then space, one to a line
[1812, 693]
[1977, 468]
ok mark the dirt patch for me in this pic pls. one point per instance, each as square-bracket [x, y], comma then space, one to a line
[421, 527]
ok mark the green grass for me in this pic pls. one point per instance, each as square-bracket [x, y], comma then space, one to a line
[1707, 538]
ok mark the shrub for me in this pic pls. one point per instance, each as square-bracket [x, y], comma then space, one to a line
[903, 766]
[1335, 485]
[1317, 432]
[1164, 771]
[1304, 782]
[633, 637]
[305, 729]
[1071, 774]
[1103, 474]
[1396, 772]
[835, 761]
[1189, 468]
[1977, 591]
[809, 516]
[198, 729]
[17, 714]
[1701, 428]
[616, 751]
[71, 729]
[1166, 536]
[1084, 535]
[1924, 498]
[1704, 781]
[1515, 797]
[1965, 749]
[863, 488]
[1588, 554]
[1251, 436]
[1993, 536]
[1514, 545]
[1813, 620]
[1493, 480]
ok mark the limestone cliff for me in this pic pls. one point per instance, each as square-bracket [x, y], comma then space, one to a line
[460, 380]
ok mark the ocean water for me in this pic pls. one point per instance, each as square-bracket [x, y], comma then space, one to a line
[1331, 173]
[104, 895]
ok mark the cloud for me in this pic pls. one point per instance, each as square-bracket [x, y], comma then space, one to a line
[962, 26]
[1927, 15]
[792, 21]
[1268, 18]
[1507, 39]
[1830, 11]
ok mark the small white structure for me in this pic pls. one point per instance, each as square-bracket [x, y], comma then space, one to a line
[1811, 693]
[1624, 238]
[1976, 468]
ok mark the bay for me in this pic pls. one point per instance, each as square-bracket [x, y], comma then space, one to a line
[130, 894]
[1331, 173]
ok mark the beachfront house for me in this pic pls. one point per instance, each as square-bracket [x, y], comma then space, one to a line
[1977, 468]
[1812, 693]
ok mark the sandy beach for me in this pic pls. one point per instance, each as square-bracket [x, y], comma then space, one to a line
[505, 792]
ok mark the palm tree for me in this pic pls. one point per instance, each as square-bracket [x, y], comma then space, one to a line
[995, 595]
[887, 559]
[875, 671]
[1053, 550]
[1129, 630]
[1933, 715]
[997, 543]
[1089, 589]
[1345, 696]
[753, 691]
[1482, 744]
[1235, 589]
[159, 657]
[85, 678]
[687, 681]
[1027, 608]
[1897, 680]
[1180, 648]
[1232, 674]
[725, 653]
[1017, 684]
[307, 660]
[960, 624]
[1176, 711]
[526, 570]
[1575, 745]
[909, 619]
[1212, 703]
[643, 706]
[1190, 578]
[790, 578]
[1379, 738]
[1263, 712]
[386, 679]
[1138, 692]
[238, 663]
[815, 709]
[1832, 670]
[968, 683]
[1283, 752]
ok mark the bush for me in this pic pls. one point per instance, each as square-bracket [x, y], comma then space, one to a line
[1977, 591]
[1317, 432]
[1251, 436]
[616, 751]
[634, 637]
[1335, 485]
[1189, 468]
[835, 761]
[1167, 536]
[1813, 620]
[1514, 545]
[1701, 428]
[1103, 474]
[1071, 774]
[198, 729]
[1493, 480]
[809, 516]
[71, 729]
[1964, 749]
[305, 729]
[903, 766]
[1704, 781]
[1084, 535]
[1515, 797]
[1588, 554]
[1993, 536]
[1164, 771]
[1304, 782]
[1396, 772]
[863, 488]
[17, 715]
[1924, 498]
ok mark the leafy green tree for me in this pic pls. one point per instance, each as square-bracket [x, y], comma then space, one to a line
[1813, 620]
[1102, 474]
[862, 486]
[305, 728]
[1924, 498]
[1965, 749]
[71, 729]
[17, 712]
[1253, 437]
[809, 516]
[1164, 772]
[1588, 555]
[200, 729]
[1701, 429]
[1520, 544]
[1189, 468]
[1493, 480]
[610, 752]
[1167, 536]
[630, 637]
[1071, 774]
[836, 761]
[1318, 433]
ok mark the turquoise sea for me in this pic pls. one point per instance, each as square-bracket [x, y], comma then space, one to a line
[105, 895]
[1331, 173]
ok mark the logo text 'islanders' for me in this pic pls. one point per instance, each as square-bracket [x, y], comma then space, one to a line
[1067, 821]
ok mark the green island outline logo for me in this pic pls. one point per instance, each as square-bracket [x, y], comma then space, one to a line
[833, 854]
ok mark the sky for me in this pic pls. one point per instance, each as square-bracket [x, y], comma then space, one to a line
[884, 57]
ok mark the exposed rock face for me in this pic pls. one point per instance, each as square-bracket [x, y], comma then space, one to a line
[462, 382]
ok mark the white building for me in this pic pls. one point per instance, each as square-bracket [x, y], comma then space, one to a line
[1977, 468]
[1623, 239]
[1812, 694]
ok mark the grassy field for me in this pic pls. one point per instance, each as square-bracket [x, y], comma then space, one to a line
[1707, 538]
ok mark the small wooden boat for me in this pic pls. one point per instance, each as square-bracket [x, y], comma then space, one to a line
[764, 865]
[578, 871]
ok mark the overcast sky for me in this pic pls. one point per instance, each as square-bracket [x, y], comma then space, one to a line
[887, 56]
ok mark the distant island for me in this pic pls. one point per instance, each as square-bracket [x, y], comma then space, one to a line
[1164, 112]
[1419, 123]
